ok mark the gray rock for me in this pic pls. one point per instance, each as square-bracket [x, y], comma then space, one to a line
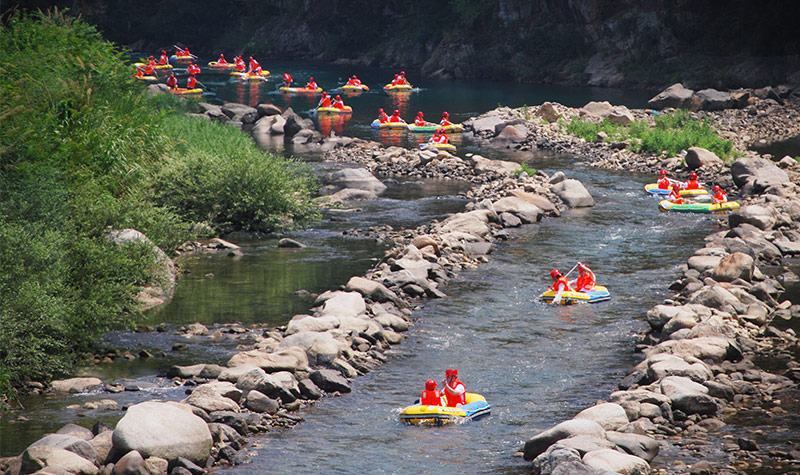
[76, 431]
[39, 457]
[688, 396]
[617, 462]
[70, 443]
[620, 115]
[734, 266]
[373, 290]
[309, 390]
[259, 402]
[573, 193]
[759, 216]
[268, 384]
[560, 460]
[703, 263]
[675, 96]
[75, 385]
[609, 415]
[761, 173]
[540, 442]
[523, 209]
[548, 112]
[286, 242]
[166, 430]
[131, 463]
[663, 365]
[215, 396]
[596, 110]
[697, 157]
[713, 100]
[329, 381]
[357, 178]
[268, 110]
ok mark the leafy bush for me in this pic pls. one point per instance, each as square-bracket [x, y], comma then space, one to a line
[82, 151]
[671, 134]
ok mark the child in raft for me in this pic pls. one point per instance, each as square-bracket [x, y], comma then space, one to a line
[172, 81]
[663, 182]
[675, 194]
[164, 59]
[383, 118]
[191, 82]
[287, 80]
[396, 117]
[338, 103]
[312, 84]
[419, 121]
[439, 137]
[192, 68]
[454, 389]
[445, 119]
[221, 59]
[719, 196]
[431, 396]
[586, 280]
[692, 183]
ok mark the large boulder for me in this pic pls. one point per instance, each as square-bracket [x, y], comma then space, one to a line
[596, 110]
[287, 359]
[734, 266]
[358, 178]
[616, 462]
[662, 365]
[642, 446]
[573, 193]
[540, 201]
[675, 96]
[215, 396]
[713, 100]
[560, 460]
[485, 125]
[162, 287]
[687, 395]
[320, 347]
[343, 304]
[711, 349]
[70, 443]
[240, 112]
[485, 165]
[524, 209]
[166, 430]
[540, 442]
[467, 223]
[35, 458]
[609, 415]
[761, 173]
[697, 157]
[308, 323]
[759, 216]
[75, 385]
[373, 290]
[330, 381]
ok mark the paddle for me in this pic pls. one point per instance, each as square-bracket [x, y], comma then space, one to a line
[201, 84]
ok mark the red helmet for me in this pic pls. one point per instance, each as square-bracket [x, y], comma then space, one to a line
[555, 273]
[693, 176]
[338, 97]
[380, 110]
[717, 188]
[451, 372]
[420, 114]
[251, 58]
[662, 172]
[676, 186]
[150, 57]
[311, 78]
[402, 73]
[163, 51]
[445, 114]
[582, 266]
[221, 55]
[355, 77]
[396, 112]
[430, 384]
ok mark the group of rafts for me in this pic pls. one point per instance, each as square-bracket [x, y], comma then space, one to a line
[689, 196]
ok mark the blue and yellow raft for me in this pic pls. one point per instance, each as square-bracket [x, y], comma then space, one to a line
[653, 189]
[599, 294]
[447, 147]
[476, 407]
[376, 124]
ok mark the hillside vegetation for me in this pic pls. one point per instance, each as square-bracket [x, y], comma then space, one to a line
[83, 151]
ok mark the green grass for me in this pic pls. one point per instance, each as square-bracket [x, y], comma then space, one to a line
[82, 151]
[526, 169]
[671, 134]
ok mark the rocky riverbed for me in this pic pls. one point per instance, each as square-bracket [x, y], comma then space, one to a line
[698, 368]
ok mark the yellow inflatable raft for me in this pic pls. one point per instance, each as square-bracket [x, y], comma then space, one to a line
[447, 147]
[653, 189]
[667, 205]
[334, 110]
[350, 88]
[398, 88]
[215, 66]
[299, 90]
[475, 408]
[251, 76]
[599, 294]
[182, 91]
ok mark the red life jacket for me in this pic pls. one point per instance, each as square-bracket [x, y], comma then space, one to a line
[191, 83]
[325, 102]
[561, 281]
[339, 104]
[240, 67]
[430, 398]
[163, 59]
[720, 197]
[664, 183]
[312, 85]
[443, 139]
[148, 70]
[419, 121]
[193, 68]
[456, 394]
[585, 281]
[221, 60]
[692, 185]
[172, 81]
[445, 121]
[675, 197]
[383, 118]
[395, 118]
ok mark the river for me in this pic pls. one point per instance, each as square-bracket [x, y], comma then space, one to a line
[536, 364]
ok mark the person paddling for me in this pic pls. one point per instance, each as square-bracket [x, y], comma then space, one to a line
[191, 82]
[312, 84]
[287, 80]
[172, 81]
[560, 285]
[586, 280]
[419, 121]
[663, 182]
[439, 137]
[338, 103]
[221, 59]
[383, 118]
[164, 59]
[675, 194]
[325, 100]
[454, 389]
[445, 119]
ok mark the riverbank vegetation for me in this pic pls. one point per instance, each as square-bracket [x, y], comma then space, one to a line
[82, 151]
[671, 133]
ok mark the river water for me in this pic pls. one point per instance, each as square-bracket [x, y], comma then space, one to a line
[536, 364]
